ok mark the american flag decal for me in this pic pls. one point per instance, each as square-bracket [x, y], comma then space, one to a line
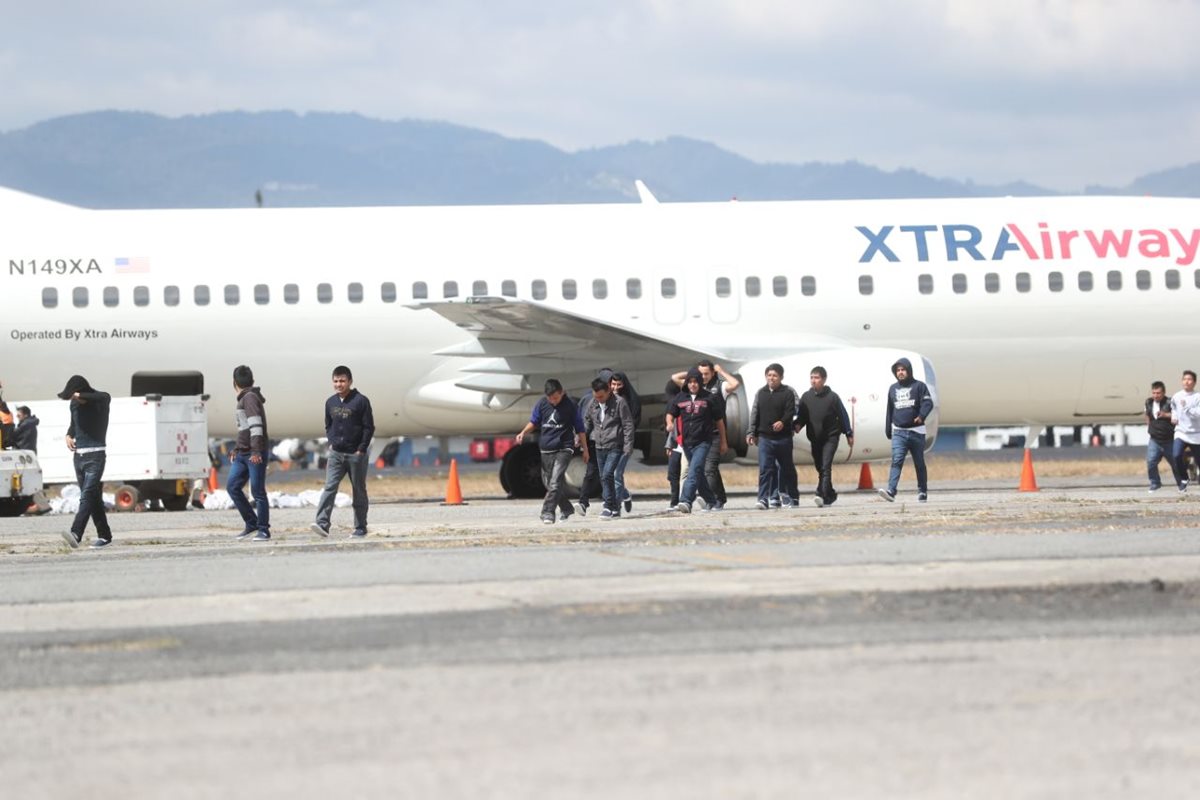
[128, 266]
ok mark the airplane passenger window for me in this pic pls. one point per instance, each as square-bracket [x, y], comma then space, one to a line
[170, 295]
[723, 287]
[599, 288]
[1055, 281]
[1085, 281]
[420, 291]
[1114, 280]
[808, 286]
[538, 289]
[141, 295]
[50, 297]
[866, 284]
[668, 288]
[111, 296]
[354, 292]
[1143, 279]
[387, 292]
[291, 294]
[232, 298]
[991, 282]
[450, 289]
[479, 288]
[324, 293]
[262, 294]
[79, 296]
[569, 290]
[1171, 279]
[925, 284]
[779, 285]
[508, 288]
[200, 295]
[633, 288]
[753, 287]
[1023, 282]
[958, 282]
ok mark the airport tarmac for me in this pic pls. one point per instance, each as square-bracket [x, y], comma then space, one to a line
[988, 643]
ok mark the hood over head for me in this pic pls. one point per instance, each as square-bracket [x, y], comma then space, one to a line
[694, 372]
[76, 383]
[903, 362]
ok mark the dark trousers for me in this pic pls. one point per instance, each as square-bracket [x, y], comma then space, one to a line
[609, 460]
[674, 468]
[712, 470]
[89, 472]
[591, 476]
[241, 469]
[554, 470]
[1179, 464]
[823, 451]
[337, 466]
[776, 469]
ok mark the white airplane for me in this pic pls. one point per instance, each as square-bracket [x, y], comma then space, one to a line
[1035, 311]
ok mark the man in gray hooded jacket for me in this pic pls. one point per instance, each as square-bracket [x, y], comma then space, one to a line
[609, 423]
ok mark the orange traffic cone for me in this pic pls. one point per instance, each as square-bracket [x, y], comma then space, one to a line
[1028, 482]
[212, 479]
[864, 479]
[453, 492]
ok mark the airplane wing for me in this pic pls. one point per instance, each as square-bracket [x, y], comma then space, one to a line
[518, 344]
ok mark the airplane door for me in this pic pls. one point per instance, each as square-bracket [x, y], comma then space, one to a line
[670, 298]
[1114, 387]
[724, 295]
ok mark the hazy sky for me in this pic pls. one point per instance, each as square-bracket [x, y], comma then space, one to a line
[1059, 92]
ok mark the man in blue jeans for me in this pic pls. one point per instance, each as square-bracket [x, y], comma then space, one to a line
[609, 423]
[249, 460]
[771, 427]
[909, 406]
[703, 419]
[87, 439]
[1162, 432]
[349, 426]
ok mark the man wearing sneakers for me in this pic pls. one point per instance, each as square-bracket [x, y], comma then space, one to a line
[908, 407]
[87, 439]
[609, 423]
[249, 460]
[560, 430]
[1185, 413]
[719, 383]
[703, 416]
[1161, 431]
[823, 415]
[771, 420]
[349, 426]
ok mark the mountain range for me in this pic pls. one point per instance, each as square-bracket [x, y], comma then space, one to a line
[122, 159]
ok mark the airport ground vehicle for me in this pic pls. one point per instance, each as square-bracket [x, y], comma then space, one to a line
[20, 480]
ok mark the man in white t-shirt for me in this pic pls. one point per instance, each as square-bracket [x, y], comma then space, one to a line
[1185, 413]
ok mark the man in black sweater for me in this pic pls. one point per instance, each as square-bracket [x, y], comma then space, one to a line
[771, 419]
[824, 417]
[87, 437]
[349, 426]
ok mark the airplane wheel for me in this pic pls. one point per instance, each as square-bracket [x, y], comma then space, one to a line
[521, 472]
[13, 506]
[176, 502]
[127, 498]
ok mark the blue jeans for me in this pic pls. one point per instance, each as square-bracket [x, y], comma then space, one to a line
[1179, 463]
[1156, 452]
[776, 469]
[89, 472]
[619, 477]
[695, 482]
[337, 465]
[609, 459]
[242, 469]
[904, 442]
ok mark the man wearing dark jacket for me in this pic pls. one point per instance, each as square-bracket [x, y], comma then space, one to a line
[909, 406]
[1161, 430]
[560, 428]
[87, 437]
[771, 418]
[349, 426]
[249, 461]
[702, 415]
[609, 424]
[25, 435]
[823, 416]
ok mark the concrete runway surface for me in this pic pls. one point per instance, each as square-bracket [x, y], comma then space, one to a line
[985, 644]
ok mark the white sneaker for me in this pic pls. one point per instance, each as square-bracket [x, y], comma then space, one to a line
[886, 495]
[684, 508]
[818, 502]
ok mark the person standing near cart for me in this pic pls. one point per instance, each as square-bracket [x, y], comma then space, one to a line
[349, 426]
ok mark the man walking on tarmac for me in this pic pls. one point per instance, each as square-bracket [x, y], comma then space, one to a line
[561, 429]
[720, 384]
[1185, 413]
[1161, 431]
[349, 426]
[87, 439]
[823, 415]
[771, 420]
[249, 461]
[908, 407]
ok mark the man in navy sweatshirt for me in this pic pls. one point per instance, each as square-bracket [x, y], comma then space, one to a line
[909, 406]
[560, 431]
[349, 426]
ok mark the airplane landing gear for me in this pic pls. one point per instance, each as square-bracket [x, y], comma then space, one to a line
[521, 472]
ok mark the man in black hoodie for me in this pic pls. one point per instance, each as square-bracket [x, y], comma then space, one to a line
[249, 460]
[25, 435]
[771, 419]
[824, 416]
[909, 406]
[87, 439]
[703, 421]
[349, 426]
